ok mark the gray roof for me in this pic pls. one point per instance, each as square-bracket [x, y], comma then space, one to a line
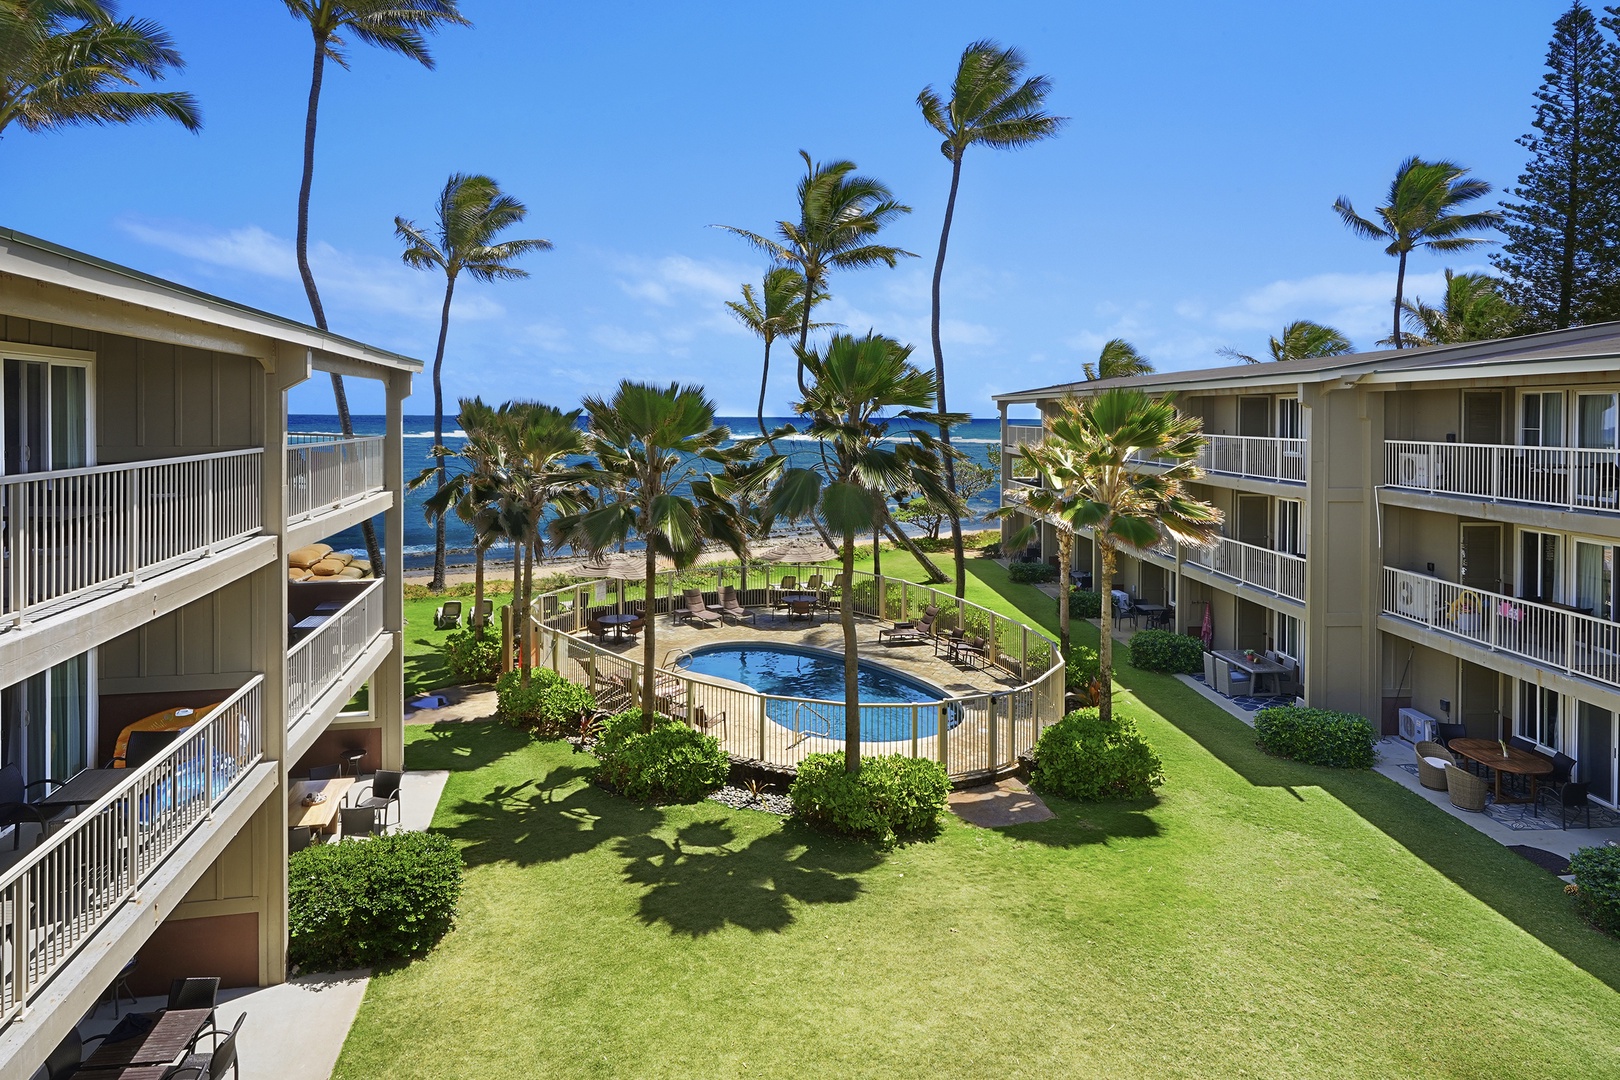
[1595, 342]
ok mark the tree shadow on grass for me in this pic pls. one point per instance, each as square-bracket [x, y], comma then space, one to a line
[426, 671]
[1516, 889]
[701, 882]
[1081, 824]
[462, 747]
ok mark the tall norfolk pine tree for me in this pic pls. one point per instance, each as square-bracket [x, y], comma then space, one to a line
[1559, 258]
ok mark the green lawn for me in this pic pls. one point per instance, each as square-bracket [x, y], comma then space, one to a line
[1259, 918]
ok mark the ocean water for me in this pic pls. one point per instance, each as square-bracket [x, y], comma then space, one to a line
[974, 439]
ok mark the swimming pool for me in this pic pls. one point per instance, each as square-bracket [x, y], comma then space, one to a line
[807, 673]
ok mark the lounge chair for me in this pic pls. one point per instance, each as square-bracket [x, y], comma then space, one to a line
[698, 608]
[447, 616]
[731, 607]
[706, 723]
[789, 583]
[384, 795]
[906, 633]
[1432, 759]
[814, 583]
[481, 616]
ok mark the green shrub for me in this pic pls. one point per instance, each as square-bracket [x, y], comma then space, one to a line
[1085, 604]
[890, 797]
[1316, 736]
[360, 903]
[472, 657]
[1030, 573]
[1080, 757]
[1597, 885]
[671, 761]
[992, 550]
[549, 706]
[1166, 650]
[1081, 670]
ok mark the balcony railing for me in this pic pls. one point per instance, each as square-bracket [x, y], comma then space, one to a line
[1253, 456]
[316, 663]
[1022, 435]
[66, 890]
[1561, 477]
[324, 473]
[1559, 638]
[1275, 572]
[73, 531]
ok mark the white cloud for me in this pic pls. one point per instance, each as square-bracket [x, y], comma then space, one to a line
[360, 283]
[618, 339]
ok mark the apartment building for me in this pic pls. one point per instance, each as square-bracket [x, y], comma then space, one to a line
[150, 493]
[1432, 529]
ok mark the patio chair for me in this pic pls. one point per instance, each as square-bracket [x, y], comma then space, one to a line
[325, 772]
[1209, 670]
[806, 608]
[1125, 608]
[1467, 791]
[1229, 682]
[731, 607]
[481, 616]
[635, 626]
[214, 1064]
[1444, 733]
[907, 633]
[384, 795]
[813, 584]
[706, 723]
[196, 993]
[975, 648]
[119, 987]
[1572, 796]
[593, 624]
[14, 806]
[447, 616]
[65, 1059]
[945, 642]
[298, 838]
[698, 608]
[1287, 681]
[1432, 759]
[358, 821]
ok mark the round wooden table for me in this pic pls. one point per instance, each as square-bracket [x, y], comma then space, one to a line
[1489, 754]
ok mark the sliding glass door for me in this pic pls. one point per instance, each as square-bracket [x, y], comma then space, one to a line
[1597, 752]
[47, 721]
[45, 414]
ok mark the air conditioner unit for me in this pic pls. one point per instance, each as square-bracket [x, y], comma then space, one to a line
[1416, 726]
[1414, 597]
[1412, 470]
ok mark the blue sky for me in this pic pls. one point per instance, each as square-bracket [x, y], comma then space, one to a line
[1186, 207]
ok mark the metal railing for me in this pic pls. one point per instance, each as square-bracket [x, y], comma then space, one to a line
[1559, 638]
[970, 734]
[316, 663]
[1275, 572]
[66, 890]
[72, 531]
[1017, 435]
[324, 473]
[1562, 477]
[1254, 456]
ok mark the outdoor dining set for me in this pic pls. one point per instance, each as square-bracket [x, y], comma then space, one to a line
[328, 801]
[787, 599]
[180, 1041]
[1475, 772]
[955, 645]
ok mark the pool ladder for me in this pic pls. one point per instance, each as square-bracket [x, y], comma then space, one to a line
[800, 730]
[673, 658]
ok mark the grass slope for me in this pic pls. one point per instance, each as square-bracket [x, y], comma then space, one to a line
[1259, 918]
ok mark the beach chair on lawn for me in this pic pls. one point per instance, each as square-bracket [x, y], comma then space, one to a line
[448, 615]
[482, 615]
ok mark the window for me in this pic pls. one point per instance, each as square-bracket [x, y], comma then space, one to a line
[1594, 578]
[1595, 421]
[1538, 566]
[1290, 534]
[47, 721]
[45, 417]
[1538, 714]
[1288, 418]
[1289, 637]
[1541, 419]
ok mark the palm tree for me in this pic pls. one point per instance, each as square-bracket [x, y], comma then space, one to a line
[991, 105]
[472, 490]
[65, 63]
[1118, 360]
[661, 462]
[1057, 500]
[840, 215]
[1421, 213]
[1474, 309]
[1122, 505]
[399, 26]
[856, 389]
[472, 211]
[1301, 340]
[775, 311]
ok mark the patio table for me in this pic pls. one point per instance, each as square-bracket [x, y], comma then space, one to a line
[1489, 754]
[83, 788]
[321, 815]
[174, 1031]
[618, 623]
[1257, 669]
[800, 596]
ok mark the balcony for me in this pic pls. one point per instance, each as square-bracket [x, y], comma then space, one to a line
[60, 895]
[1274, 572]
[1553, 477]
[1555, 637]
[325, 474]
[1250, 457]
[1020, 435]
[73, 532]
[345, 618]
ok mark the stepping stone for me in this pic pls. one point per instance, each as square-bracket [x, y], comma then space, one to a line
[994, 806]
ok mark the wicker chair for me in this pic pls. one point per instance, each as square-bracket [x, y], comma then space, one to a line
[1431, 775]
[1467, 790]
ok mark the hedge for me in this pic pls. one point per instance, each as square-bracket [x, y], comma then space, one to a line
[1597, 885]
[890, 797]
[550, 705]
[1085, 604]
[1166, 650]
[1030, 573]
[473, 657]
[672, 761]
[1081, 757]
[1316, 736]
[360, 903]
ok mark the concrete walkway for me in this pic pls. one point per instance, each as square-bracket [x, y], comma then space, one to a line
[994, 806]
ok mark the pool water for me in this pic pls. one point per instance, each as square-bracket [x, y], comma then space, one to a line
[803, 673]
